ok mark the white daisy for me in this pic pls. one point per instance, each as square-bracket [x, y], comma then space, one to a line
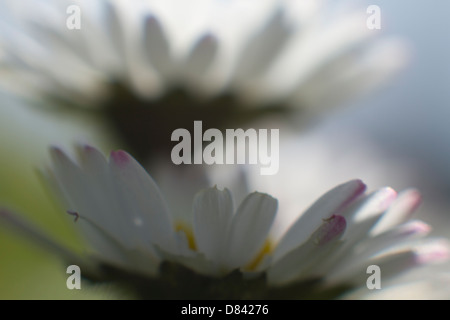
[226, 252]
[153, 64]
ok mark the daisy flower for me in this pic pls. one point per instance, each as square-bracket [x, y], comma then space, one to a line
[154, 66]
[228, 252]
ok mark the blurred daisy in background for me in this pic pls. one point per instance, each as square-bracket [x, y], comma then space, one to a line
[228, 253]
[154, 66]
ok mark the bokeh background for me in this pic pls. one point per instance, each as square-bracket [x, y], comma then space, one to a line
[396, 136]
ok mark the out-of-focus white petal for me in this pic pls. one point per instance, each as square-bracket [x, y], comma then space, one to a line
[399, 236]
[260, 51]
[372, 206]
[400, 211]
[116, 34]
[201, 56]
[157, 46]
[311, 54]
[393, 263]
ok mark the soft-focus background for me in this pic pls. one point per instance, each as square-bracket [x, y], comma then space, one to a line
[396, 136]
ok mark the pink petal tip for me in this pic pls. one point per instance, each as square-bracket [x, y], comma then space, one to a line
[56, 151]
[89, 148]
[120, 157]
[330, 230]
[435, 252]
[413, 199]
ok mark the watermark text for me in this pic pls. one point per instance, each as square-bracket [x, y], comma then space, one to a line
[237, 147]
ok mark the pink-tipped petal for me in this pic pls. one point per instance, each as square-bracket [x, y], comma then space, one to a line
[433, 252]
[303, 261]
[120, 157]
[332, 203]
[56, 151]
[361, 218]
[406, 203]
[399, 237]
[88, 148]
[373, 205]
[94, 164]
[331, 228]
[139, 199]
[59, 157]
[414, 227]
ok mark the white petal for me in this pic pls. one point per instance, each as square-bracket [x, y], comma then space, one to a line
[99, 186]
[393, 263]
[157, 46]
[361, 218]
[371, 206]
[400, 236]
[300, 262]
[263, 48]
[433, 251]
[96, 38]
[105, 225]
[406, 203]
[331, 203]
[347, 76]
[115, 29]
[201, 56]
[101, 205]
[74, 186]
[213, 213]
[250, 228]
[356, 272]
[141, 201]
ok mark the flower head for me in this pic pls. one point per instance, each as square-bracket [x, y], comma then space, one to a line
[151, 64]
[227, 252]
